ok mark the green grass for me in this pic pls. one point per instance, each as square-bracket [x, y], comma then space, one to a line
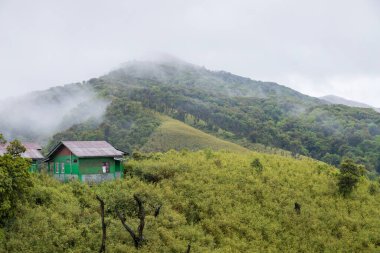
[173, 134]
[217, 201]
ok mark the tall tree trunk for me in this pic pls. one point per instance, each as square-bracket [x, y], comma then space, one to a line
[104, 226]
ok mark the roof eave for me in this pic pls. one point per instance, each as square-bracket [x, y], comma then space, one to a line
[98, 156]
[53, 150]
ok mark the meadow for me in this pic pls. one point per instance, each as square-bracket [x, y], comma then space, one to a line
[214, 201]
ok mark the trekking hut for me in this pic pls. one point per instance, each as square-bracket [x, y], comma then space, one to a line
[88, 161]
[33, 152]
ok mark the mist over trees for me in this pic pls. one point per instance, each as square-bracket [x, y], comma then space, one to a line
[234, 108]
[38, 115]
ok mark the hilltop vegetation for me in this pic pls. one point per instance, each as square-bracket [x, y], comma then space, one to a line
[216, 201]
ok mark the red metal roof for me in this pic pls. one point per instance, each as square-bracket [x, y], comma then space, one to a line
[92, 149]
[32, 150]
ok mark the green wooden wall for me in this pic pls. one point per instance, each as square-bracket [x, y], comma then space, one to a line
[35, 166]
[66, 167]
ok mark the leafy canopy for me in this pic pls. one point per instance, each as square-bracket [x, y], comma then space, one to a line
[15, 148]
[15, 182]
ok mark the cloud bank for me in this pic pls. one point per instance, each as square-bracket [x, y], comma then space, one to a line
[318, 47]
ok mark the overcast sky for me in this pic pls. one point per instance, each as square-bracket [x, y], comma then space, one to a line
[318, 47]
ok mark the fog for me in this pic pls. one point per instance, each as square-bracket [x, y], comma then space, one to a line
[317, 47]
[39, 115]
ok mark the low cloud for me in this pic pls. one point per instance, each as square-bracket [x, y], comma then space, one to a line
[38, 115]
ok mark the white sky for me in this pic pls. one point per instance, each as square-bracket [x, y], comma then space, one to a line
[318, 47]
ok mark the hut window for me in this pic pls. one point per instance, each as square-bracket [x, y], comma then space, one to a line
[106, 167]
[75, 160]
[63, 168]
[57, 168]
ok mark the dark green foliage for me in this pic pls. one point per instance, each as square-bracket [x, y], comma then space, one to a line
[15, 182]
[373, 189]
[349, 177]
[346, 184]
[256, 164]
[127, 125]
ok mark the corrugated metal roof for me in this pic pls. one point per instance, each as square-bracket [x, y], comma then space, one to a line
[92, 148]
[31, 145]
[32, 150]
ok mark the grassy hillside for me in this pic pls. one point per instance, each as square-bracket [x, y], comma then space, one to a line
[174, 134]
[216, 201]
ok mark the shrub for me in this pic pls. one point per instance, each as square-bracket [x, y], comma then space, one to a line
[349, 177]
[256, 164]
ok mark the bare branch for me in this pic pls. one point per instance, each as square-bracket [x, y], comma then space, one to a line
[130, 231]
[104, 226]
[157, 211]
[188, 248]
[141, 216]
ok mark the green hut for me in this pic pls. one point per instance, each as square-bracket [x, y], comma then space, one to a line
[33, 152]
[88, 161]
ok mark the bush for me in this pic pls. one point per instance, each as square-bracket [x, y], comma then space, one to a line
[349, 177]
[256, 164]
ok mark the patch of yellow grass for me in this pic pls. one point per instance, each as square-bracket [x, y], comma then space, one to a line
[174, 134]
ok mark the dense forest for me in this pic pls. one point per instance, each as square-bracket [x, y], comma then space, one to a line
[200, 201]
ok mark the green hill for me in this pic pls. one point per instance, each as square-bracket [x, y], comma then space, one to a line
[216, 201]
[234, 108]
[174, 134]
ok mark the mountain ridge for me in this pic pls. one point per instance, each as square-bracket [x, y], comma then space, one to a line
[343, 101]
[233, 108]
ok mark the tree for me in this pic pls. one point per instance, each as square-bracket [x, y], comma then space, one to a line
[2, 139]
[15, 148]
[349, 167]
[256, 164]
[15, 182]
[349, 177]
[332, 159]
